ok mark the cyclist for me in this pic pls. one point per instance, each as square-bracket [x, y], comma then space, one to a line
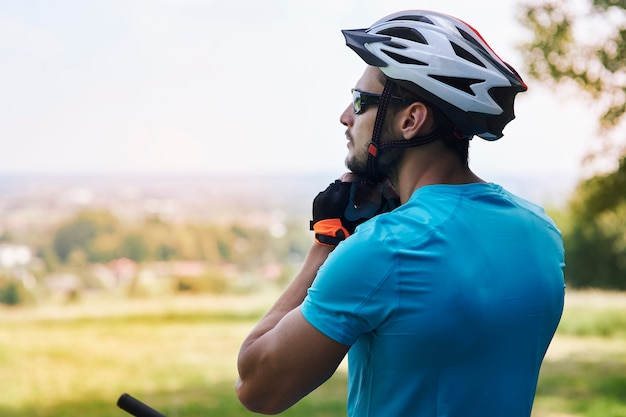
[445, 304]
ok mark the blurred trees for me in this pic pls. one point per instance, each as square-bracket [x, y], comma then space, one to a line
[94, 249]
[583, 44]
[9, 292]
[84, 234]
[595, 242]
[97, 236]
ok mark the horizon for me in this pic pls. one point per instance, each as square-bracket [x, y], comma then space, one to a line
[550, 190]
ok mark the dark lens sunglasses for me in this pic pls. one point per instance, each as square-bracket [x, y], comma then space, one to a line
[362, 99]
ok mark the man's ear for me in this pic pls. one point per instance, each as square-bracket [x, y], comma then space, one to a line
[415, 120]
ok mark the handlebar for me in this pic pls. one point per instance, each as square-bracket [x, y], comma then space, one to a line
[135, 407]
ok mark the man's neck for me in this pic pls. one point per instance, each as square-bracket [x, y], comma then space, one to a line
[423, 168]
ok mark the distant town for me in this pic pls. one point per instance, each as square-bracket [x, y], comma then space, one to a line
[62, 237]
[267, 211]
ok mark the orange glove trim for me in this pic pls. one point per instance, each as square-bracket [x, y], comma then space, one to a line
[329, 227]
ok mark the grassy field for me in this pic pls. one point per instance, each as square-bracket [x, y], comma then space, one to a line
[178, 355]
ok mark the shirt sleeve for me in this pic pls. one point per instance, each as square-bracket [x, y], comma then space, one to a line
[354, 289]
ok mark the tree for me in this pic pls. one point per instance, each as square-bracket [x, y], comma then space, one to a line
[10, 294]
[583, 44]
[76, 234]
[80, 232]
[134, 247]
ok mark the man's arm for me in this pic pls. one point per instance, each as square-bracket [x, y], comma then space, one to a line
[285, 358]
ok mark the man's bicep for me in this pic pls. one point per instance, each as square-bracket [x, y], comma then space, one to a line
[312, 357]
[297, 358]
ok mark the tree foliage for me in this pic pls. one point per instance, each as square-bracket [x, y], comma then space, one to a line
[98, 236]
[10, 294]
[583, 43]
[82, 232]
[595, 242]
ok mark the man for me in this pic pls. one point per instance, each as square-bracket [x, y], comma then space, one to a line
[446, 304]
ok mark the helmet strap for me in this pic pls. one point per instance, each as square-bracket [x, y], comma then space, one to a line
[373, 149]
[416, 141]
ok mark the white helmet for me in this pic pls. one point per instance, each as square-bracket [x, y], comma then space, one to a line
[446, 62]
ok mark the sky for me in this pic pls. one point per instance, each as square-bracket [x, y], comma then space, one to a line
[230, 87]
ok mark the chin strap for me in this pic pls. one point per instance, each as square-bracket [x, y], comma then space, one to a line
[373, 149]
[416, 141]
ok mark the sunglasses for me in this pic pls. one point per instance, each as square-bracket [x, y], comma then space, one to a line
[362, 99]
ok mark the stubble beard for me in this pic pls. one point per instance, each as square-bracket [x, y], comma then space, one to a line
[387, 161]
[356, 160]
[357, 163]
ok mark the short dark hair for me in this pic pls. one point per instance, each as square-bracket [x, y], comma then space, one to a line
[450, 138]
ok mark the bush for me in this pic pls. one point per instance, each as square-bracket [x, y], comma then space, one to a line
[210, 283]
[595, 253]
[12, 293]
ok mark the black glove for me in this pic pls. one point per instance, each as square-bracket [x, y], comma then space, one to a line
[339, 209]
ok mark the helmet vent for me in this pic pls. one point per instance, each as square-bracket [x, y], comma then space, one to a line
[471, 40]
[415, 18]
[395, 45]
[463, 53]
[463, 84]
[408, 34]
[403, 59]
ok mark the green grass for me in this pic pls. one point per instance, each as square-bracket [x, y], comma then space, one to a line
[178, 355]
[608, 323]
[180, 359]
[584, 373]
[594, 314]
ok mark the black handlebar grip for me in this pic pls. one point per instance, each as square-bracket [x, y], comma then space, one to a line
[135, 407]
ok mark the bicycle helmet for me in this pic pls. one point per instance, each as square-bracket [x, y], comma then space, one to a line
[447, 63]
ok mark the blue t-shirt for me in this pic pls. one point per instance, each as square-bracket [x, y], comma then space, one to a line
[449, 304]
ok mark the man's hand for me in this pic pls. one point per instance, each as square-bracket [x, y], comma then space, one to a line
[346, 203]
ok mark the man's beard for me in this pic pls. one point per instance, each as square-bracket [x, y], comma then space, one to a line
[357, 163]
[387, 160]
